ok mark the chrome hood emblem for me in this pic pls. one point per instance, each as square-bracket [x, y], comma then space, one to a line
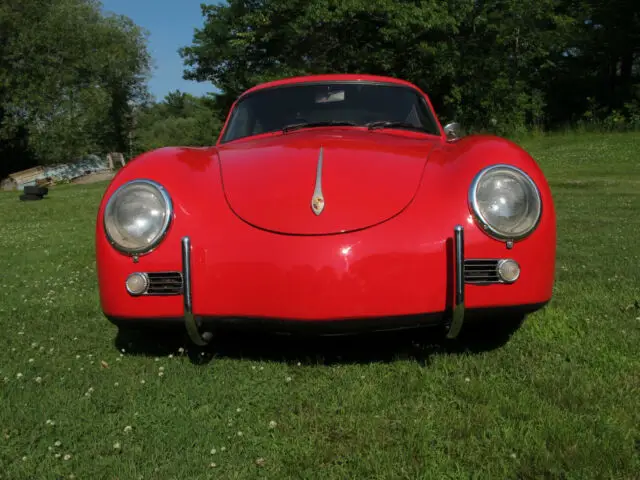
[317, 201]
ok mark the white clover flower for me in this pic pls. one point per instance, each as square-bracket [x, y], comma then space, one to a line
[128, 428]
[57, 443]
[273, 424]
[38, 379]
[116, 446]
[288, 379]
[213, 451]
[19, 375]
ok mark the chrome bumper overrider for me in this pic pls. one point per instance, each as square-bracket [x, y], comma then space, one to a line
[202, 339]
[458, 268]
[193, 329]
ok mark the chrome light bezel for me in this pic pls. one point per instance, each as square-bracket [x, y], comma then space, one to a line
[165, 226]
[475, 210]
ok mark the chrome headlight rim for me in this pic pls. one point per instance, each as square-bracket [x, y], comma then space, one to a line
[165, 226]
[486, 226]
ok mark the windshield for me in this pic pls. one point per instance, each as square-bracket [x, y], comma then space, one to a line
[320, 104]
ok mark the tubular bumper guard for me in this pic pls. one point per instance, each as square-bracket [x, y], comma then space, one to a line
[193, 325]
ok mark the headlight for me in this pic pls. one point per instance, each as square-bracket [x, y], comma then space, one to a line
[137, 216]
[505, 201]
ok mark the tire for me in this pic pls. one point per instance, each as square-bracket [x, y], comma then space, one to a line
[28, 198]
[33, 190]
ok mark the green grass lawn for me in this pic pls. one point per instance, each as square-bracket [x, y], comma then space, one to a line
[561, 399]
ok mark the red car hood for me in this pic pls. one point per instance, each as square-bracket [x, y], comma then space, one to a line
[366, 178]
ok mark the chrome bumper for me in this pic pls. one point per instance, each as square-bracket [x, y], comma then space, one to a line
[193, 329]
[458, 268]
[203, 338]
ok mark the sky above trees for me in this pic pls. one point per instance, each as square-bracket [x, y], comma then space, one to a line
[171, 25]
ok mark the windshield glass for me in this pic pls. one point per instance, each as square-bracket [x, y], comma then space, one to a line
[356, 103]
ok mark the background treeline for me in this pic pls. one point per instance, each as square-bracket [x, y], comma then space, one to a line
[73, 81]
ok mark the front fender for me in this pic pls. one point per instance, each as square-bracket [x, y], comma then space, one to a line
[192, 179]
[442, 202]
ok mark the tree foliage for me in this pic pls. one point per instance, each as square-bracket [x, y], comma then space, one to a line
[500, 64]
[69, 77]
[180, 119]
[73, 80]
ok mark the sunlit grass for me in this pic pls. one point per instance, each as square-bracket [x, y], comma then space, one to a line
[561, 399]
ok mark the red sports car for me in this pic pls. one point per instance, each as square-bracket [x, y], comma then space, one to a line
[333, 201]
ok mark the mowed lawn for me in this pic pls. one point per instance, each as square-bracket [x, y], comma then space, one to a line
[560, 399]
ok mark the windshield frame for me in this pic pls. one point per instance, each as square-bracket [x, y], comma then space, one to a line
[421, 96]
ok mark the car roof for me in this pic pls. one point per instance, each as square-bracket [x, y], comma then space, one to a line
[348, 77]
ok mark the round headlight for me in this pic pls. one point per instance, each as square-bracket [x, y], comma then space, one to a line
[505, 201]
[137, 216]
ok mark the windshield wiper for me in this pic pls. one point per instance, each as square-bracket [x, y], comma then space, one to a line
[297, 126]
[387, 124]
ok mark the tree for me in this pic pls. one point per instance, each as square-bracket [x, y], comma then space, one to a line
[245, 42]
[180, 119]
[69, 77]
[493, 64]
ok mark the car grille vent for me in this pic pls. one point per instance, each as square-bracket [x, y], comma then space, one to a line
[164, 283]
[481, 271]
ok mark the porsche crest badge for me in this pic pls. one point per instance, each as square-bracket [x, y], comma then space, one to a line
[317, 201]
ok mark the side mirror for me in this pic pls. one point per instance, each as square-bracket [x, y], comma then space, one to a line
[452, 130]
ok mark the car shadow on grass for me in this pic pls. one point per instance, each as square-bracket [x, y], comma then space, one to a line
[419, 345]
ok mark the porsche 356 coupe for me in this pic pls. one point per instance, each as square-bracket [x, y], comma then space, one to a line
[331, 201]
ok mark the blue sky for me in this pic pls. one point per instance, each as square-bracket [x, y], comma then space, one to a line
[170, 24]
